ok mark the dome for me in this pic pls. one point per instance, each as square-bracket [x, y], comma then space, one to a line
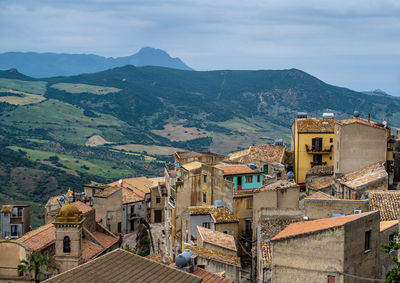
[69, 213]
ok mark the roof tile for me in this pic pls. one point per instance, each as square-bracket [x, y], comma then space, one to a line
[219, 214]
[315, 125]
[235, 169]
[217, 238]
[386, 202]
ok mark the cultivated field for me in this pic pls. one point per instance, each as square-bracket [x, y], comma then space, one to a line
[34, 87]
[150, 149]
[180, 133]
[84, 88]
[21, 98]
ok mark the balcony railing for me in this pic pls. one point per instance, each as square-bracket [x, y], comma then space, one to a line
[319, 150]
[313, 163]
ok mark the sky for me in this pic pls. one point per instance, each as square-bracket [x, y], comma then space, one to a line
[349, 43]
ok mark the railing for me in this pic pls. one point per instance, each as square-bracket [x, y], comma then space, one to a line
[321, 150]
[317, 163]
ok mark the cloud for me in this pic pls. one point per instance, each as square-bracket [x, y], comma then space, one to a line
[226, 34]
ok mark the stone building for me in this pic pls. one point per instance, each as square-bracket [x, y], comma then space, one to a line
[339, 249]
[158, 199]
[320, 205]
[319, 178]
[15, 220]
[12, 253]
[359, 143]
[357, 184]
[75, 237]
[389, 231]
[215, 240]
[312, 145]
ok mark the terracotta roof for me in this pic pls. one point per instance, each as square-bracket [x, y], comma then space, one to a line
[82, 207]
[278, 185]
[218, 214]
[235, 169]
[386, 202]
[140, 183]
[321, 183]
[129, 196]
[6, 208]
[39, 238]
[208, 277]
[321, 170]
[305, 227]
[320, 196]
[315, 125]
[90, 249]
[364, 176]
[384, 225]
[271, 226]
[267, 153]
[266, 253]
[214, 255]
[155, 181]
[192, 165]
[105, 240]
[217, 238]
[360, 121]
[122, 266]
[107, 192]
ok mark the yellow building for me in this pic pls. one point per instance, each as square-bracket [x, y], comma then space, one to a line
[312, 144]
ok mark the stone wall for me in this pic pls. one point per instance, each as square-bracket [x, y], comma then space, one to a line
[316, 209]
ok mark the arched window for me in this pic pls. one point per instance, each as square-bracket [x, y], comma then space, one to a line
[67, 244]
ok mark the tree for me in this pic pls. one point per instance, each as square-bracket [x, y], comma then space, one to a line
[128, 248]
[393, 275]
[37, 265]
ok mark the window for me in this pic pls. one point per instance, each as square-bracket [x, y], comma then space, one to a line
[317, 159]
[14, 231]
[367, 244]
[249, 203]
[392, 237]
[331, 279]
[317, 144]
[205, 178]
[66, 245]
[204, 197]
[132, 209]
[225, 232]
[258, 178]
[249, 179]
[330, 157]
[158, 200]
[331, 140]
[229, 178]
[206, 225]
[19, 211]
[119, 227]
[248, 226]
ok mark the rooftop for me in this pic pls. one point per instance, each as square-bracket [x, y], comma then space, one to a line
[360, 121]
[271, 226]
[214, 255]
[384, 225]
[321, 183]
[157, 180]
[82, 207]
[278, 185]
[208, 277]
[192, 165]
[107, 268]
[386, 202]
[39, 238]
[128, 196]
[364, 176]
[217, 238]
[315, 125]
[235, 169]
[219, 214]
[267, 153]
[306, 227]
[108, 191]
[6, 208]
[90, 249]
[141, 183]
[321, 170]
[326, 197]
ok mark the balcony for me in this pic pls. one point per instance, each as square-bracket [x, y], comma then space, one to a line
[314, 163]
[133, 215]
[318, 149]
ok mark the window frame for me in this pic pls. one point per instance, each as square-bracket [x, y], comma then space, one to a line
[367, 241]
[248, 177]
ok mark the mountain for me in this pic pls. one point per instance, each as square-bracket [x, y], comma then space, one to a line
[146, 113]
[41, 65]
[378, 92]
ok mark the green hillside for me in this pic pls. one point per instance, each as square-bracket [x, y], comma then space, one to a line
[142, 113]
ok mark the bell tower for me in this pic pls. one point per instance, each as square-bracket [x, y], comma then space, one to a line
[68, 223]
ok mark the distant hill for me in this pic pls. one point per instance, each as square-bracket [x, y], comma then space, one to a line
[378, 92]
[41, 65]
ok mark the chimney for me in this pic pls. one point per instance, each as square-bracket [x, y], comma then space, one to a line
[369, 117]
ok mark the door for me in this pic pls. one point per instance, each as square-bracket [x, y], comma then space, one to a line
[132, 225]
[266, 169]
[157, 216]
[239, 182]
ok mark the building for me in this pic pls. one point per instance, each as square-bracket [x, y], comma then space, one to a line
[389, 231]
[338, 249]
[54, 204]
[217, 262]
[215, 240]
[359, 143]
[73, 238]
[182, 157]
[268, 158]
[133, 210]
[242, 176]
[356, 184]
[312, 145]
[15, 220]
[158, 197]
[108, 268]
[320, 205]
[214, 218]
[319, 178]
